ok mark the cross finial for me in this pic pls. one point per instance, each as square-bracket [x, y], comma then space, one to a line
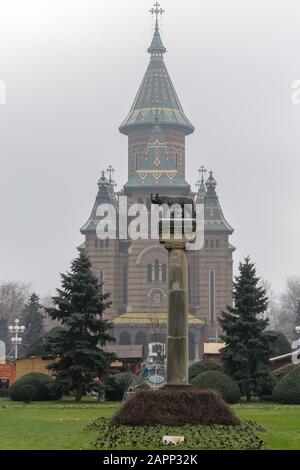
[110, 171]
[202, 171]
[156, 10]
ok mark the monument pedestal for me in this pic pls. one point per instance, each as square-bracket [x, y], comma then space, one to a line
[177, 334]
[176, 403]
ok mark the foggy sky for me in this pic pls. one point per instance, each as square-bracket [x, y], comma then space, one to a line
[72, 69]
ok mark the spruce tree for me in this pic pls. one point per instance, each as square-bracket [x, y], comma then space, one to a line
[247, 346]
[80, 305]
[32, 319]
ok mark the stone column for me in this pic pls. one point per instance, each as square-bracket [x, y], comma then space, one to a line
[177, 335]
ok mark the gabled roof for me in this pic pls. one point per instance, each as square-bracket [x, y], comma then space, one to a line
[156, 93]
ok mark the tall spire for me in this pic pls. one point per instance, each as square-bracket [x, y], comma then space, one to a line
[156, 91]
[156, 47]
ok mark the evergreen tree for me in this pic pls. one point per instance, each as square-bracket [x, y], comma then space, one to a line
[80, 305]
[32, 319]
[247, 346]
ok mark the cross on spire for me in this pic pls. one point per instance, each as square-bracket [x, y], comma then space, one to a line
[110, 171]
[202, 171]
[200, 182]
[156, 10]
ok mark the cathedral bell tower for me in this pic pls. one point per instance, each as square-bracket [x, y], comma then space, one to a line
[156, 109]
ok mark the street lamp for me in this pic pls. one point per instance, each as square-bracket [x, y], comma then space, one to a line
[16, 339]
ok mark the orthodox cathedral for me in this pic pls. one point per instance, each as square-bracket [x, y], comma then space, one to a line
[135, 271]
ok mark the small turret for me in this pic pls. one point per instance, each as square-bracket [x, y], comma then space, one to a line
[106, 195]
[213, 215]
[200, 185]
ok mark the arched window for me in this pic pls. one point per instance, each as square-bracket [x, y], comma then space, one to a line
[101, 280]
[164, 272]
[212, 297]
[124, 338]
[149, 272]
[156, 298]
[156, 270]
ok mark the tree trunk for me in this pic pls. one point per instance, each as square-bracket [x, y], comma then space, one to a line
[79, 391]
[248, 396]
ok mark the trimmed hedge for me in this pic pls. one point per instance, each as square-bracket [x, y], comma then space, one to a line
[28, 392]
[278, 374]
[273, 380]
[174, 406]
[222, 383]
[116, 385]
[202, 366]
[45, 388]
[280, 344]
[287, 391]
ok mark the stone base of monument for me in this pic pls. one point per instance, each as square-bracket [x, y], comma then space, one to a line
[175, 406]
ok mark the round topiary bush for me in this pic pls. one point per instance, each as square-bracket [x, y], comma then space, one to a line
[116, 385]
[202, 366]
[174, 406]
[45, 387]
[280, 345]
[273, 380]
[214, 380]
[278, 374]
[28, 393]
[287, 391]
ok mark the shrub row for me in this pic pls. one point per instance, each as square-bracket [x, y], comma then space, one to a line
[35, 387]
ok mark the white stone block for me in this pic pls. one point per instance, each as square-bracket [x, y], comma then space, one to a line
[173, 440]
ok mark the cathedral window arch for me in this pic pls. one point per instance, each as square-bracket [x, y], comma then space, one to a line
[101, 281]
[149, 272]
[156, 271]
[212, 295]
[124, 338]
[164, 272]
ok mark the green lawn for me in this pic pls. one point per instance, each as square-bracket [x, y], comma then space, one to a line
[62, 425]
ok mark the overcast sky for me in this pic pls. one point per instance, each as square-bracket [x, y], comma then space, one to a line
[72, 69]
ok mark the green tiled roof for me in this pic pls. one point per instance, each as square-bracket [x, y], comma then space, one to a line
[213, 214]
[156, 93]
[105, 194]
